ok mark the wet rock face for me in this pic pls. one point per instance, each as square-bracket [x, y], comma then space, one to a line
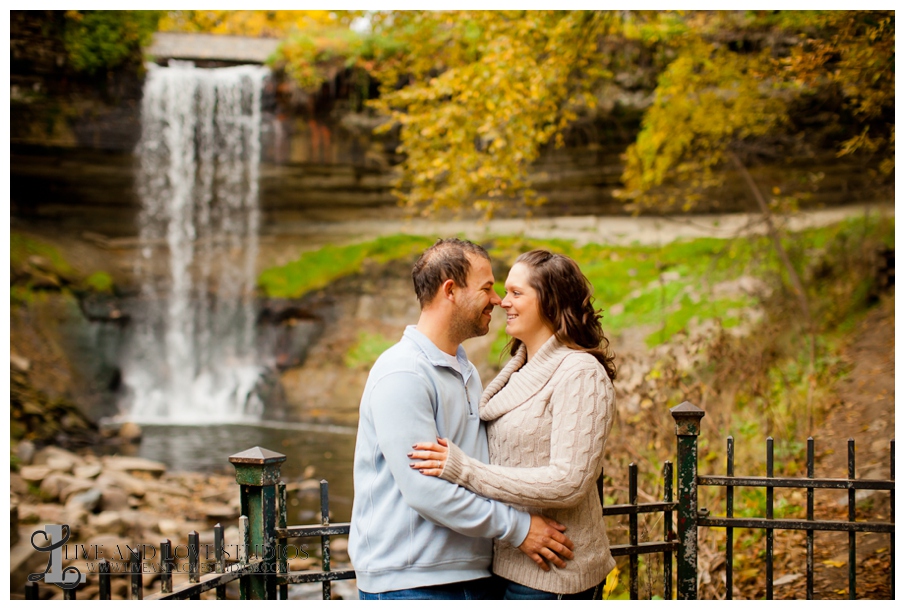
[35, 417]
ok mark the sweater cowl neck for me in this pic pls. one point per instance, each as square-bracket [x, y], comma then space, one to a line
[521, 378]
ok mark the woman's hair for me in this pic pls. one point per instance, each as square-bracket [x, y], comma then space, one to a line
[566, 303]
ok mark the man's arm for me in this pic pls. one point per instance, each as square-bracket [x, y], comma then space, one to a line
[401, 407]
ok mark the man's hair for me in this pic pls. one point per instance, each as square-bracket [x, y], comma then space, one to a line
[445, 260]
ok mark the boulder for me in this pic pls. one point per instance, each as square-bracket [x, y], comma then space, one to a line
[40, 514]
[25, 451]
[123, 481]
[91, 592]
[231, 535]
[20, 362]
[130, 431]
[107, 522]
[87, 471]
[27, 513]
[86, 501]
[54, 483]
[60, 464]
[17, 485]
[339, 549]
[57, 456]
[172, 528]
[136, 520]
[34, 474]
[13, 524]
[219, 512]
[301, 563]
[77, 486]
[114, 499]
[133, 464]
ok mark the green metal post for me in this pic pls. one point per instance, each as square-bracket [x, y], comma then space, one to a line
[688, 426]
[257, 473]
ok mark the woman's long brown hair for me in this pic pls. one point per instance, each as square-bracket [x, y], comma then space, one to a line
[565, 298]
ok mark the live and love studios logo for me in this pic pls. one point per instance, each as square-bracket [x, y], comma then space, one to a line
[54, 573]
[56, 538]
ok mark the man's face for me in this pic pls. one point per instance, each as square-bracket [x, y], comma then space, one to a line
[476, 301]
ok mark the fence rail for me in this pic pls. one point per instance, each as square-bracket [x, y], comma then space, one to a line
[262, 572]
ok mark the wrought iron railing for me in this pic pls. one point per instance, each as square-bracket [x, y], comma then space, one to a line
[261, 567]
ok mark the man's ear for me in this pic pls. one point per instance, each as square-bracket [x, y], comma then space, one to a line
[447, 289]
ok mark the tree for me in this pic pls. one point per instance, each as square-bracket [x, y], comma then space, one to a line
[716, 103]
[732, 84]
[102, 40]
[478, 93]
[268, 24]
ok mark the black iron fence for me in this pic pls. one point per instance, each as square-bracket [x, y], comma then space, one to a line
[261, 564]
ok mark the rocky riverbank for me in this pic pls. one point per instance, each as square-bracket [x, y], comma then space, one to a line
[115, 503]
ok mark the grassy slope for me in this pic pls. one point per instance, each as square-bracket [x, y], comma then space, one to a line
[666, 289]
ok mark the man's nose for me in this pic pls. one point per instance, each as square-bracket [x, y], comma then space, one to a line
[495, 299]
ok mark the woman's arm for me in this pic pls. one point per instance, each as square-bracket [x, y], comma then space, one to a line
[582, 416]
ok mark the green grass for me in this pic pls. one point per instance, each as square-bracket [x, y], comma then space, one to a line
[631, 278]
[366, 351]
[100, 281]
[22, 247]
[318, 268]
[664, 288]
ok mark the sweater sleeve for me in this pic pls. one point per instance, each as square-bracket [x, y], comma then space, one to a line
[401, 404]
[582, 410]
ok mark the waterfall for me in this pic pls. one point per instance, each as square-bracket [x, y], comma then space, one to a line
[192, 355]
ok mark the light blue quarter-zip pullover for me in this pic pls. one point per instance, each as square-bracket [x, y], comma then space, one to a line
[410, 530]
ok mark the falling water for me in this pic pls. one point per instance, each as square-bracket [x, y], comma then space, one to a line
[192, 357]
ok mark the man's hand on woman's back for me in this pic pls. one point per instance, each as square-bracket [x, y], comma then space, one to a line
[546, 542]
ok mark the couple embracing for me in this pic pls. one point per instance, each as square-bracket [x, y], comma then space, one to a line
[451, 479]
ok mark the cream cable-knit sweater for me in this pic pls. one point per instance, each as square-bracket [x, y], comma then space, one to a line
[548, 423]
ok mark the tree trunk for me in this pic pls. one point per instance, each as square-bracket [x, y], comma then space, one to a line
[797, 286]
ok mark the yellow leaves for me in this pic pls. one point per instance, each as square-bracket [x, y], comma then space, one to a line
[749, 574]
[486, 91]
[270, 23]
[833, 564]
[706, 99]
[612, 580]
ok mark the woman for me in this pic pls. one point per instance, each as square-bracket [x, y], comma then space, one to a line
[548, 415]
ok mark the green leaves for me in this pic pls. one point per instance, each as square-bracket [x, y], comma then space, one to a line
[100, 40]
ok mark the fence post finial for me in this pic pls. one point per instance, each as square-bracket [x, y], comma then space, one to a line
[688, 426]
[258, 472]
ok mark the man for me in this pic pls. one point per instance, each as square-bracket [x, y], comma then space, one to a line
[418, 537]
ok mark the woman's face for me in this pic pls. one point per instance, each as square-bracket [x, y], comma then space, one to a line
[523, 319]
